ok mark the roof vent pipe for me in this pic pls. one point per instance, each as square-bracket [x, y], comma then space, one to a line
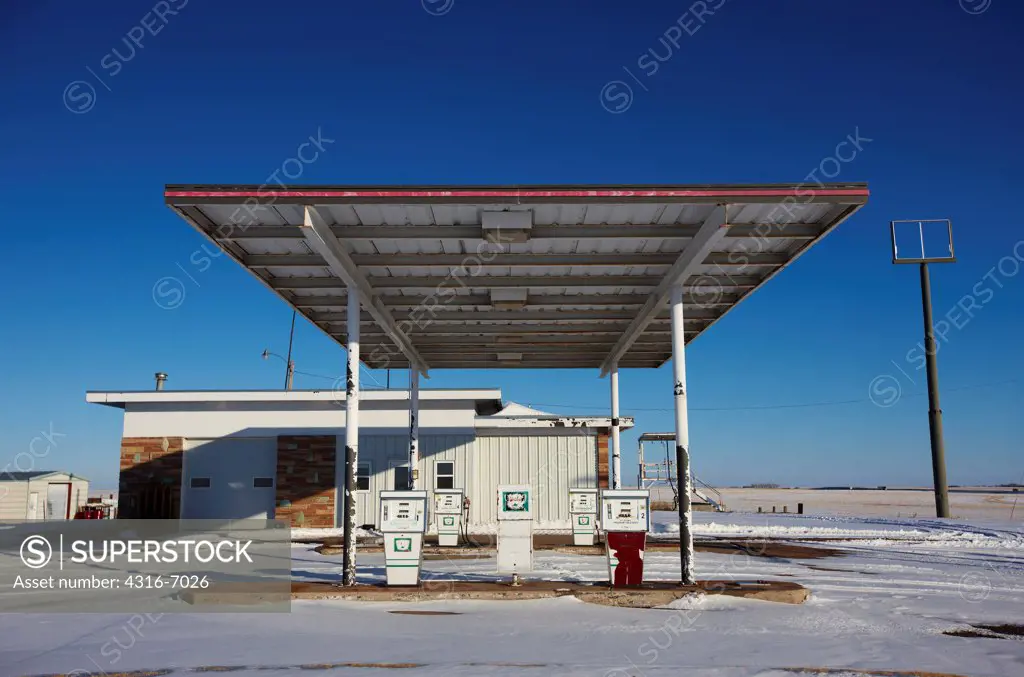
[160, 379]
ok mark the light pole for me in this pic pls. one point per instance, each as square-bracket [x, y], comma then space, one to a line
[290, 373]
[934, 408]
[289, 370]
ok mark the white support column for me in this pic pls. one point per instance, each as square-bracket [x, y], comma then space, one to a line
[351, 435]
[616, 443]
[414, 426]
[682, 436]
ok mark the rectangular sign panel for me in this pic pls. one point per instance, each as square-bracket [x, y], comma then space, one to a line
[924, 241]
[514, 502]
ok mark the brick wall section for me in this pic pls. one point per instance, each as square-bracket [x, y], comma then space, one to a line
[150, 477]
[305, 488]
[602, 459]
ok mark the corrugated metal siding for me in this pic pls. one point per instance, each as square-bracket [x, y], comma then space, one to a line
[385, 451]
[14, 501]
[378, 451]
[458, 448]
[551, 464]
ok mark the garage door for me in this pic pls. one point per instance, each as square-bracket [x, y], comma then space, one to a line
[229, 478]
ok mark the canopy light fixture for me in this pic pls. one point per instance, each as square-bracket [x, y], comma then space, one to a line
[508, 299]
[507, 227]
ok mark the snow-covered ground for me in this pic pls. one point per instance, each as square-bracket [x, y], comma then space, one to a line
[933, 532]
[882, 606]
[967, 503]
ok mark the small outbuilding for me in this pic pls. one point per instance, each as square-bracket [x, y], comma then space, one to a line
[41, 495]
[281, 454]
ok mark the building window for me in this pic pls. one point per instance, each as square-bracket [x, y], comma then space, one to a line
[199, 483]
[444, 475]
[263, 482]
[363, 472]
[401, 477]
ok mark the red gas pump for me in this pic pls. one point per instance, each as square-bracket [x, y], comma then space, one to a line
[627, 551]
[625, 522]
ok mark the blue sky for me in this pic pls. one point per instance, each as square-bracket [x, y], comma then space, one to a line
[93, 126]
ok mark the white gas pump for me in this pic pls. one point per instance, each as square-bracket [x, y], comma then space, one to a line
[583, 515]
[515, 530]
[403, 519]
[625, 520]
[448, 515]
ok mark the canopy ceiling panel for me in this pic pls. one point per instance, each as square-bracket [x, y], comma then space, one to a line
[453, 277]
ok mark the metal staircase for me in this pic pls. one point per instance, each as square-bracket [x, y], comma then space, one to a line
[661, 473]
[701, 489]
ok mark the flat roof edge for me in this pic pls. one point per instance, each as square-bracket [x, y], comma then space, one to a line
[118, 398]
[9, 476]
[567, 422]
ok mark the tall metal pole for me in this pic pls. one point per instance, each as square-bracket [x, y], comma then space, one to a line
[289, 369]
[414, 426]
[640, 465]
[934, 408]
[682, 437]
[351, 435]
[616, 442]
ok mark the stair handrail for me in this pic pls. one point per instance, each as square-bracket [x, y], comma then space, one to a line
[720, 500]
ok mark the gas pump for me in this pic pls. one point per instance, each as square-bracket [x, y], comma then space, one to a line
[515, 530]
[583, 515]
[403, 519]
[625, 520]
[448, 514]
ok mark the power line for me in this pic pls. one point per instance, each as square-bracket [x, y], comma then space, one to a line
[755, 407]
[762, 407]
[365, 372]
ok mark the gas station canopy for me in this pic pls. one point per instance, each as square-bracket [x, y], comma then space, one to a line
[514, 276]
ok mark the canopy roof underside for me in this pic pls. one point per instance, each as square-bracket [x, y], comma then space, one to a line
[514, 277]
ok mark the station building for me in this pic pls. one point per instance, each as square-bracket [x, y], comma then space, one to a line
[281, 454]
